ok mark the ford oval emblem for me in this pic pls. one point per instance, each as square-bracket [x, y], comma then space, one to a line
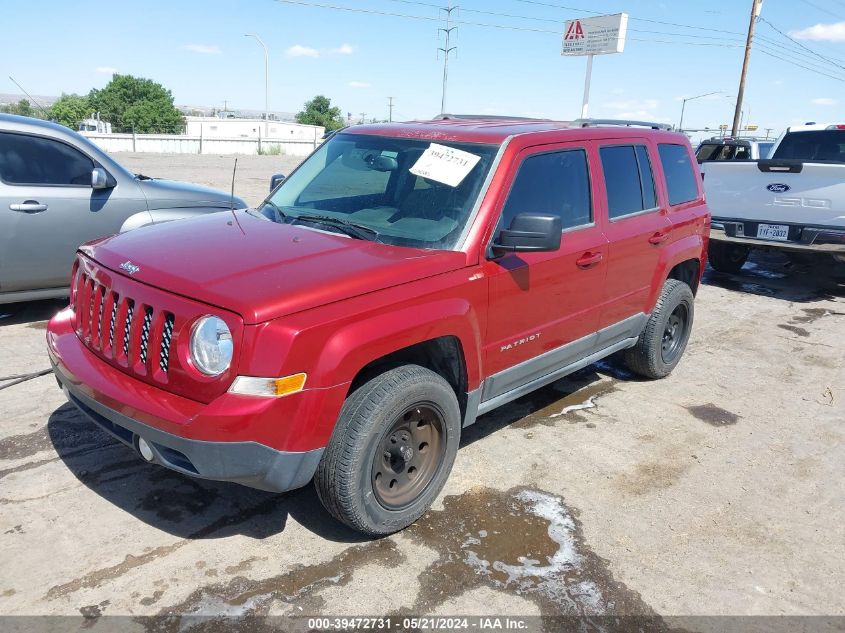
[778, 187]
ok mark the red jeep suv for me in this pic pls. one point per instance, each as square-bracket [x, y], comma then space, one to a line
[403, 280]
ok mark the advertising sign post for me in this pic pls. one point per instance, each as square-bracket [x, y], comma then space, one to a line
[601, 35]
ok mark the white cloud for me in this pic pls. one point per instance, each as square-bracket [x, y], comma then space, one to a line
[205, 49]
[834, 32]
[824, 101]
[106, 70]
[360, 84]
[297, 50]
[343, 49]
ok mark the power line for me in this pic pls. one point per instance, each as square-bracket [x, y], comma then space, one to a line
[633, 30]
[806, 48]
[730, 43]
[783, 59]
[822, 9]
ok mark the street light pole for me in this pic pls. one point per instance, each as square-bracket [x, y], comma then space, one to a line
[266, 84]
[684, 105]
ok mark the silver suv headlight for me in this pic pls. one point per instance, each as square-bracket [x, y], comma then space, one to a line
[211, 346]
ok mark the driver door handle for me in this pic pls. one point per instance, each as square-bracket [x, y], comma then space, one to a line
[588, 260]
[658, 238]
[28, 206]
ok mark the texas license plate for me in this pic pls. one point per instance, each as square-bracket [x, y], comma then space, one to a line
[778, 232]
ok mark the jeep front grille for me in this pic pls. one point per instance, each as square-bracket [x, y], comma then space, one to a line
[120, 330]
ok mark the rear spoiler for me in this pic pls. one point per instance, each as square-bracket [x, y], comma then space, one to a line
[780, 165]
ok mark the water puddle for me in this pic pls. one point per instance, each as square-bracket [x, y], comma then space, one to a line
[713, 415]
[581, 394]
[811, 315]
[522, 542]
[800, 331]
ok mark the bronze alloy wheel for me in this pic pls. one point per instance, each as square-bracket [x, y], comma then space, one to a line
[408, 457]
[674, 334]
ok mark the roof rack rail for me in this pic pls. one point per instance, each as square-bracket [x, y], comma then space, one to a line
[488, 117]
[620, 122]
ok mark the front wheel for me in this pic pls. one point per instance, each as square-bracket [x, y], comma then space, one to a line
[727, 258]
[664, 338]
[391, 452]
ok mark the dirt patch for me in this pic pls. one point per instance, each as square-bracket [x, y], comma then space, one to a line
[130, 562]
[713, 415]
[651, 476]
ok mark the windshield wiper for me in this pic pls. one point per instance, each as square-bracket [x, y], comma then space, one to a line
[143, 177]
[352, 229]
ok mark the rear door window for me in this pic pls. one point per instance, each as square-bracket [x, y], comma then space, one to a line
[552, 183]
[681, 179]
[628, 179]
[35, 160]
[813, 145]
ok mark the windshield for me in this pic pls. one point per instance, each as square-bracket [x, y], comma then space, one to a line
[817, 145]
[406, 192]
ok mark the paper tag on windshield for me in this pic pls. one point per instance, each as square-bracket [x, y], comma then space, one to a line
[444, 164]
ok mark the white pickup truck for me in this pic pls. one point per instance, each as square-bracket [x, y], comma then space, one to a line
[793, 201]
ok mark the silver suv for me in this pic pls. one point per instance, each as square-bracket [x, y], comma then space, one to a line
[58, 190]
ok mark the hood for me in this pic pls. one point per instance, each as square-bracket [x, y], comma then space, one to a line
[260, 269]
[169, 194]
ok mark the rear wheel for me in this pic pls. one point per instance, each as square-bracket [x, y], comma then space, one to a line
[726, 257]
[664, 338]
[391, 452]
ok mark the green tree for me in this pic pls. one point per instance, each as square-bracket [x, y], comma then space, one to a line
[69, 110]
[134, 103]
[21, 108]
[319, 111]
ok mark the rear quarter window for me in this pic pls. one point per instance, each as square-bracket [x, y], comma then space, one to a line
[681, 178]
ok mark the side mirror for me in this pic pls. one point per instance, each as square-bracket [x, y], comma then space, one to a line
[529, 232]
[276, 180]
[100, 179]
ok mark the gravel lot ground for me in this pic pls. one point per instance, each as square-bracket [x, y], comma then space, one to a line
[717, 491]
[252, 177]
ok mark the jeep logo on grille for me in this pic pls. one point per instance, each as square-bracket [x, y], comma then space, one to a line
[778, 187]
[130, 267]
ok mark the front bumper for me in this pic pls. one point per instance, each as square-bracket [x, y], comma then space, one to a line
[211, 441]
[247, 463]
[802, 239]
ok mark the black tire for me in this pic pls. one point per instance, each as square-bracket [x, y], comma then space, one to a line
[727, 258]
[346, 479]
[655, 356]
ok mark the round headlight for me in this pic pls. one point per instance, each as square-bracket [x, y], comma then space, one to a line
[211, 346]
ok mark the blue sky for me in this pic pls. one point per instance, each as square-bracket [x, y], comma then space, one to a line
[197, 50]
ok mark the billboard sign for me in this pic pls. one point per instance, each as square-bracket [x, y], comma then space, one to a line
[600, 35]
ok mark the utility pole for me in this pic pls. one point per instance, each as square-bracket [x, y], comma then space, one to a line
[756, 6]
[266, 84]
[363, 117]
[390, 109]
[446, 50]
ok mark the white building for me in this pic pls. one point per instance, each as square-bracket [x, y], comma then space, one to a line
[215, 127]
